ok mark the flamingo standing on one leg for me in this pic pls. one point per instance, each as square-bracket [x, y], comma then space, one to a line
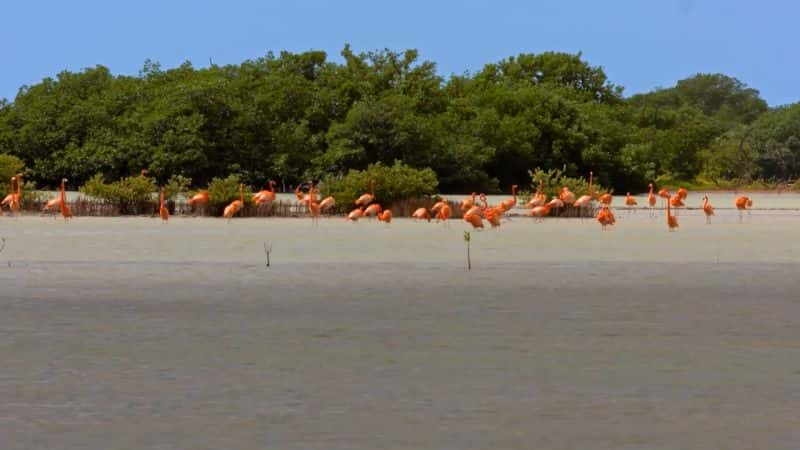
[162, 209]
[742, 203]
[672, 221]
[65, 211]
[606, 217]
[651, 201]
[630, 202]
[444, 213]
[708, 209]
[234, 206]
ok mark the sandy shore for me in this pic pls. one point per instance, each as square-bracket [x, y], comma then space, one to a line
[125, 333]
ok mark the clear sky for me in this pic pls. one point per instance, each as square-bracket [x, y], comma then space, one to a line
[641, 44]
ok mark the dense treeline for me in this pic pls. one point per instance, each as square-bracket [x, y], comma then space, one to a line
[296, 117]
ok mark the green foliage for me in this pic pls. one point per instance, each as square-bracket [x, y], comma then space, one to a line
[392, 183]
[298, 116]
[554, 179]
[176, 185]
[222, 191]
[9, 166]
[130, 194]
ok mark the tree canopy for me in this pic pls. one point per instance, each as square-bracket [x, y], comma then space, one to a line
[298, 116]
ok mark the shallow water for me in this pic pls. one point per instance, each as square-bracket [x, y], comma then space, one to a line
[120, 333]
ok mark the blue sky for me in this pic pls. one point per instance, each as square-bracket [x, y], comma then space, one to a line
[641, 44]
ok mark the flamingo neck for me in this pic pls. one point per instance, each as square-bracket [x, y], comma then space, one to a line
[591, 194]
[241, 193]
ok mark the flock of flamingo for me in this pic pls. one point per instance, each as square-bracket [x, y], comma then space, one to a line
[473, 212]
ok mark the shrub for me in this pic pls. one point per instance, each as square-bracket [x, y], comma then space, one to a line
[176, 185]
[132, 195]
[554, 179]
[222, 191]
[392, 183]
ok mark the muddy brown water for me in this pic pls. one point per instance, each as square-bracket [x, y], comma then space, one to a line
[123, 333]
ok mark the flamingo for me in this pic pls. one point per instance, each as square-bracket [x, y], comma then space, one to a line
[327, 203]
[372, 210]
[13, 198]
[314, 209]
[511, 202]
[566, 196]
[438, 205]
[630, 201]
[421, 213]
[708, 209]
[539, 199]
[356, 214]
[52, 204]
[540, 212]
[12, 192]
[444, 213]
[265, 196]
[385, 216]
[584, 200]
[742, 203]
[162, 210]
[200, 199]
[492, 214]
[367, 198]
[664, 194]
[651, 200]
[65, 211]
[606, 217]
[16, 205]
[236, 205]
[299, 193]
[474, 210]
[676, 201]
[683, 193]
[468, 202]
[672, 221]
[474, 220]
